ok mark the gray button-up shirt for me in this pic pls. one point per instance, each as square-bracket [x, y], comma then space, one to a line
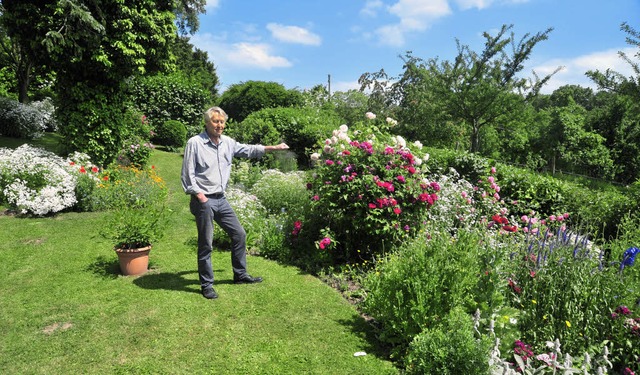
[206, 167]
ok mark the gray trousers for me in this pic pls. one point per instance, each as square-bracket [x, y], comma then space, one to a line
[218, 209]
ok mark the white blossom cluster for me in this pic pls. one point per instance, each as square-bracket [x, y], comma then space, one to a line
[455, 208]
[36, 181]
[249, 209]
[25, 120]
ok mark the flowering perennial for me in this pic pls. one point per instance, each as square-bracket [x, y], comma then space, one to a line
[370, 192]
[38, 182]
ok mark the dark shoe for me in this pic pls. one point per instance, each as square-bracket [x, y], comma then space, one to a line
[209, 293]
[247, 279]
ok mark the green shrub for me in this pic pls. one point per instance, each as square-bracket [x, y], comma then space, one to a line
[171, 97]
[273, 243]
[27, 121]
[280, 191]
[245, 174]
[300, 128]
[136, 148]
[170, 133]
[242, 99]
[255, 132]
[95, 121]
[449, 348]
[417, 286]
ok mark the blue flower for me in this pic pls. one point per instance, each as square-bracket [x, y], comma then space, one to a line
[629, 256]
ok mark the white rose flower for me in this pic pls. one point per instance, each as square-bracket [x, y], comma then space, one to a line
[344, 128]
[370, 115]
[315, 156]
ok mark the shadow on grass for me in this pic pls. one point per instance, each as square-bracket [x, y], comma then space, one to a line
[106, 267]
[362, 328]
[169, 281]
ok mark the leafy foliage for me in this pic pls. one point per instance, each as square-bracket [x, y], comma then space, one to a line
[194, 63]
[475, 89]
[300, 128]
[136, 199]
[166, 97]
[93, 47]
[171, 133]
[280, 191]
[242, 99]
[27, 121]
[449, 347]
[414, 288]
[370, 193]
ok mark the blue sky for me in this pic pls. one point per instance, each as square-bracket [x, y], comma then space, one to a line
[299, 43]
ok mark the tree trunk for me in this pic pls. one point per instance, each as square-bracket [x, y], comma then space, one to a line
[475, 136]
[24, 78]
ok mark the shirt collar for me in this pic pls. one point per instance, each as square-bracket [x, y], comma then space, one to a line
[204, 137]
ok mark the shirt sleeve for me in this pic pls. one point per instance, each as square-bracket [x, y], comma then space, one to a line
[242, 150]
[188, 174]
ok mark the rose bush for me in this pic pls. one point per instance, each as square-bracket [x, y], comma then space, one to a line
[369, 190]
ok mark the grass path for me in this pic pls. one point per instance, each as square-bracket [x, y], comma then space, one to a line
[65, 309]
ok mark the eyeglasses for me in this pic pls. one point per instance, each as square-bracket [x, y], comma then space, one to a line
[217, 121]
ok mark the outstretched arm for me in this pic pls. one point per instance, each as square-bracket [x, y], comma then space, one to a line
[281, 146]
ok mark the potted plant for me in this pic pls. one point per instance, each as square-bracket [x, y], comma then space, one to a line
[138, 215]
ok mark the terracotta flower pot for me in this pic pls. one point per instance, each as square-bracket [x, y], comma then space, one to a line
[134, 261]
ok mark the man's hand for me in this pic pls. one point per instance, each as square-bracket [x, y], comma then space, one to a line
[281, 146]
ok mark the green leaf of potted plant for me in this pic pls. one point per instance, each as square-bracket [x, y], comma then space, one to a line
[138, 216]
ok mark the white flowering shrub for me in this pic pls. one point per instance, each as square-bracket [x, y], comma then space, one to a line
[25, 120]
[35, 181]
[279, 191]
[250, 212]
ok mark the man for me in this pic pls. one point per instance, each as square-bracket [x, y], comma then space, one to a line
[206, 169]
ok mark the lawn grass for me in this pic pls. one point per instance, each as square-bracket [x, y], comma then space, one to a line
[65, 308]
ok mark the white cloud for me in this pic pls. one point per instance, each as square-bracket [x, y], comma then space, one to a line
[414, 15]
[574, 69]
[227, 56]
[468, 4]
[371, 8]
[482, 4]
[257, 55]
[212, 4]
[293, 34]
[344, 86]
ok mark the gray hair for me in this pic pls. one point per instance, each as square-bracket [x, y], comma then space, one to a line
[210, 111]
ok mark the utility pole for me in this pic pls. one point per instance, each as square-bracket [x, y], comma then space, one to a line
[329, 85]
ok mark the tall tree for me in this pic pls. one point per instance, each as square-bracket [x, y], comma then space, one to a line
[475, 88]
[195, 63]
[187, 13]
[94, 46]
[17, 53]
[242, 99]
[625, 109]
